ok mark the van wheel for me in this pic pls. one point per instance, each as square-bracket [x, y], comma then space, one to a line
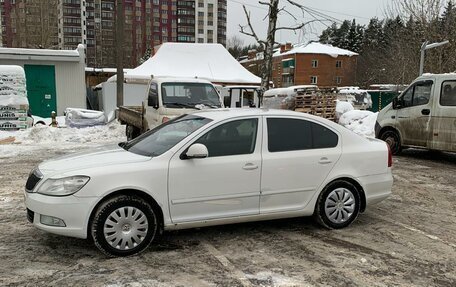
[123, 226]
[391, 137]
[338, 205]
[132, 132]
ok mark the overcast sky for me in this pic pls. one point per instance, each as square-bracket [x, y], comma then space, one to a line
[361, 10]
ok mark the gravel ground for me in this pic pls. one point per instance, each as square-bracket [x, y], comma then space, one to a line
[407, 240]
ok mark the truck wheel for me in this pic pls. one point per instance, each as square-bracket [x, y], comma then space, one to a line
[132, 132]
[124, 225]
[392, 138]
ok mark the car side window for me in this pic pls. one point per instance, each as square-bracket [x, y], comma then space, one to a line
[417, 95]
[448, 94]
[232, 138]
[295, 134]
[422, 93]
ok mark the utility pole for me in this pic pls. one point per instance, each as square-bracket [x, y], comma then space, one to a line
[427, 46]
[119, 51]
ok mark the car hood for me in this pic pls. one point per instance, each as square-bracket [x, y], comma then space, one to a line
[100, 157]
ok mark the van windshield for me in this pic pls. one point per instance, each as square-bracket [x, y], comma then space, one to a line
[189, 95]
[160, 139]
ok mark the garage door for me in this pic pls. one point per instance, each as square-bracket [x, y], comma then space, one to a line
[41, 92]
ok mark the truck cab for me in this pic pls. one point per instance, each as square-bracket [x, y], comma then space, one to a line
[171, 97]
[423, 115]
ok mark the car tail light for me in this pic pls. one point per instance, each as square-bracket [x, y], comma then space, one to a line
[165, 119]
[390, 156]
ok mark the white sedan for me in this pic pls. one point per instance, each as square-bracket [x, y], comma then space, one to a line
[209, 168]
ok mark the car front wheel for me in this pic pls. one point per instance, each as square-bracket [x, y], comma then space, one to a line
[338, 205]
[124, 225]
[392, 139]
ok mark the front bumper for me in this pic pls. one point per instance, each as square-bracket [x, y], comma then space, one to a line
[74, 211]
[377, 129]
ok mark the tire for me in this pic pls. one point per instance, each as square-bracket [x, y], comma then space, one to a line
[124, 225]
[339, 198]
[132, 132]
[392, 138]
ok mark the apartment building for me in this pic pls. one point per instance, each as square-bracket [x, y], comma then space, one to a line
[63, 24]
[311, 64]
[201, 21]
[29, 23]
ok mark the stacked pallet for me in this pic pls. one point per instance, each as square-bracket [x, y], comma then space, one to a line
[322, 105]
[13, 98]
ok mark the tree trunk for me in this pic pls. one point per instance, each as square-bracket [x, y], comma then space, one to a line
[266, 71]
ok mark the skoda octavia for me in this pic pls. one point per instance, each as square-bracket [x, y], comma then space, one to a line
[208, 168]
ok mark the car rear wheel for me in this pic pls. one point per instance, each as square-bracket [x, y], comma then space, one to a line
[338, 205]
[123, 226]
[392, 139]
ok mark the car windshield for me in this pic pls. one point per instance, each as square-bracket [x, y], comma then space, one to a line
[159, 140]
[189, 95]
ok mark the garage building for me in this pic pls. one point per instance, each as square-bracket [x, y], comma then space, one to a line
[55, 78]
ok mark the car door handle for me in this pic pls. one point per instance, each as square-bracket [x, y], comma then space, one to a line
[324, 160]
[426, 112]
[250, 166]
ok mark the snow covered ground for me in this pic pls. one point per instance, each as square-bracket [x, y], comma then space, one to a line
[46, 137]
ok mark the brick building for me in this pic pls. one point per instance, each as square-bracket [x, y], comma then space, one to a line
[312, 64]
[63, 24]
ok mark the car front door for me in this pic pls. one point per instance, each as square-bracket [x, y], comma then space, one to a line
[414, 114]
[298, 155]
[224, 184]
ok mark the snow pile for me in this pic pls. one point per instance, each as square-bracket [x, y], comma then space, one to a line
[43, 136]
[12, 86]
[84, 118]
[343, 107]
[360, 122]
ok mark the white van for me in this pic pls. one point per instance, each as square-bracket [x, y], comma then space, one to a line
[423, 116]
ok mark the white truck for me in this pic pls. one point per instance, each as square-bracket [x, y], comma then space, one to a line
[168, 98]
[422, 116]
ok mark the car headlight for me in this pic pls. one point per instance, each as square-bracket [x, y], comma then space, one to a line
[63, 186]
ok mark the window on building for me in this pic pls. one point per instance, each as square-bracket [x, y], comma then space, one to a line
[338, 64]
[314, 63]
[201, 14]
[210, 23]
[338, 80]
[200, 40]
[313, 80]
[200, 31]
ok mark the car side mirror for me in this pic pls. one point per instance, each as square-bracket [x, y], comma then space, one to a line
[396, 103]
[152, 101]
[196, 151]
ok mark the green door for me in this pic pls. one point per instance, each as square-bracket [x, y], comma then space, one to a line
[41, 93]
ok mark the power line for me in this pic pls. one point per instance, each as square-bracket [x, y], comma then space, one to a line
[338, 13]
[249, 5]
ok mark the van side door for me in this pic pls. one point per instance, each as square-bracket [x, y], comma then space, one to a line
[414, 114]
[444, 118]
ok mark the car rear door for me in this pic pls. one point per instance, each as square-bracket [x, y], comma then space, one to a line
[223, 185]
[298, 155]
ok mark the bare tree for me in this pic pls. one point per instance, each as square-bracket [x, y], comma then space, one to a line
[235, 46]
[267, 46]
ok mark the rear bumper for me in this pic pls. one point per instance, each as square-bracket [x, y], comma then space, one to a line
[74, 211]
[376, 187]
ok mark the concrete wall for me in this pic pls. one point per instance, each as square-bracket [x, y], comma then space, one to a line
[69, 75]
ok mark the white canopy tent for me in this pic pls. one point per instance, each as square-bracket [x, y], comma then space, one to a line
[205, 61]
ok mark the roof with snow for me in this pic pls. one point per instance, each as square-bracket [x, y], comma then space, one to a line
[41, 54]
[317, 48]
[189, 60]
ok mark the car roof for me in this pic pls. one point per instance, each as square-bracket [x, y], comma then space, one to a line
[179, 80]
[228, 113]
